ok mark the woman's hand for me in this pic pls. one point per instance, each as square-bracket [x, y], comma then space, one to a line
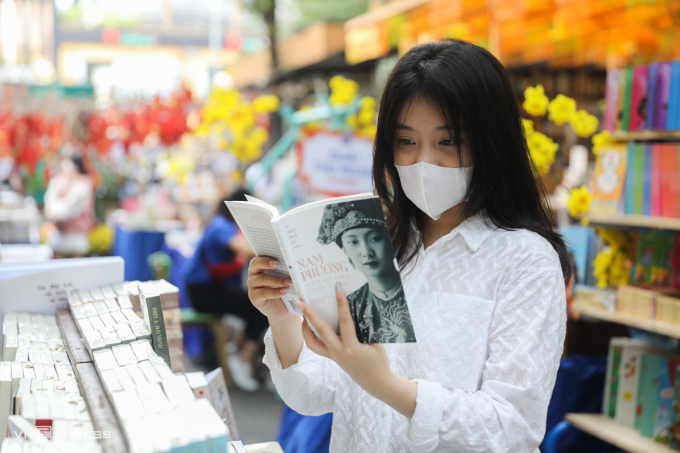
[366, 364]
[265, 290]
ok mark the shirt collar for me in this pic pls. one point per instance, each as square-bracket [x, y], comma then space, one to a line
[474, 231]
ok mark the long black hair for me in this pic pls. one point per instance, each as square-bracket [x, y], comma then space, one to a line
[471, 90]
[238, 194]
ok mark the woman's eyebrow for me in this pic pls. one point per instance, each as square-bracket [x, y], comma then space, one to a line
[409, 128]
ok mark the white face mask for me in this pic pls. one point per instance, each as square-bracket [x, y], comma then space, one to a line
[432, 188]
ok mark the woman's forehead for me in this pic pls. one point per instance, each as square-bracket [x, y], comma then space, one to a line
[360, 231]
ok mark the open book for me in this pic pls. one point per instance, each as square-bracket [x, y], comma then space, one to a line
[337, 240]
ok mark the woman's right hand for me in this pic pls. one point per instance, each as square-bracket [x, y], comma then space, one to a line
[265, 290]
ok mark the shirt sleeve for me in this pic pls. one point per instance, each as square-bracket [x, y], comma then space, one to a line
[508, 413]
[308, 387]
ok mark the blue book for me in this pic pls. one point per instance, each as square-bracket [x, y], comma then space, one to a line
[629, 183]
[578, 244]
[647, 183]
[651, 95]
[673, 118]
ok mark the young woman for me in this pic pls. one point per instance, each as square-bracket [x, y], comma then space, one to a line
[483, 270]
[378, 307]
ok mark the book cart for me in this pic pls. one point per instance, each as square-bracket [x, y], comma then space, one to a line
[600, 425]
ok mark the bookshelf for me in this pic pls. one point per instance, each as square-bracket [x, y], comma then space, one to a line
[630, 220]
[626, 319]
[649, 135]
[614, 433]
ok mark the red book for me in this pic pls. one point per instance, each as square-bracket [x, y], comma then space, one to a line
[671, 199]
[656, 179]
[638, 98]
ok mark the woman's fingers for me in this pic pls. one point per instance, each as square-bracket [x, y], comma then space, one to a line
[314, 344]
[260, 264]
[327, 334]
[266, 280]
[347, 330]
[260, 294]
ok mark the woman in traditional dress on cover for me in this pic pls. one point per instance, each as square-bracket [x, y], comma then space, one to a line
[378, 307]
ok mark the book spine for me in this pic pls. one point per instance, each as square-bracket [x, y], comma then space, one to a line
[651, 95]
[662, 87]
[674, 179]
[674, 97]
[630, 182]
[612, 93]
[638, 98]
[152, 310]
[647, 198]
[290, 300]
[627, 105]
[639, 179]
[656, 179]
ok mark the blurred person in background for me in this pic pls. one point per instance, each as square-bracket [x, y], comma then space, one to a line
[213, 277]
[69, 203]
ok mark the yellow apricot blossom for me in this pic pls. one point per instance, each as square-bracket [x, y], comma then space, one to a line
[600, 140]
[583, 123]
[535, 100]
[579, 201]
[561, 109]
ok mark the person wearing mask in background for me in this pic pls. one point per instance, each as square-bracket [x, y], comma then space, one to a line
[213, 277]
[69, 203]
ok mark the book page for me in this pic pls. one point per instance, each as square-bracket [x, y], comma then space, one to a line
[320, 203]
[255, 221]
[347, 242]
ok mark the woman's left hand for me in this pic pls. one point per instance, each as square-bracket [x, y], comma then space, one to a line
[366, 364]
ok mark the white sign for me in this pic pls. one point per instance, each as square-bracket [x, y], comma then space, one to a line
[338, 164]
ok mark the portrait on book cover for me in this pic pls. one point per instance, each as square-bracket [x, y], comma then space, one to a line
[378, 307]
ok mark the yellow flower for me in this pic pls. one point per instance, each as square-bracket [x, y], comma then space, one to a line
[367, 103]
[535, 100]
[351, 121]
[259, 135]
[601, 266]
[583, 123]
[600, 140]
[266, 104]
[579, 201]
[368, 131]
[528, 127]
[542, 150]
[101, 238]
[561, 109]
[366, 117]
[612, 266]
[343, 90]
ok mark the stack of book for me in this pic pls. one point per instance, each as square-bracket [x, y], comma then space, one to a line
[643, 97]
[39, 394]
[640, 389]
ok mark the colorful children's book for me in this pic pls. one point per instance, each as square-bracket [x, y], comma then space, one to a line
[663, 85]
[611, 98]
[609, 178]
[664, 242]
[611, 383]
[647, 181]
[638, 98]
[671, 196]
[627, 398]
[673, 118]
[627, 97]
[652, 78]
[639, 179]
[648, 393]
[656, 179]
[664, 406]
[675, 425]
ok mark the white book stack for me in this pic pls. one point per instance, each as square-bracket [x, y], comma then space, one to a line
[5, 396]
[9, 336]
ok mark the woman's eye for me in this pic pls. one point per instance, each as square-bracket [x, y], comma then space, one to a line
[448, 142]
[406, 141]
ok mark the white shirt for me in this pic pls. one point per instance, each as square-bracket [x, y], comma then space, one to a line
[489, 312]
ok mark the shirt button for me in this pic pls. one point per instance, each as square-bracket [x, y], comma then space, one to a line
[381, 411]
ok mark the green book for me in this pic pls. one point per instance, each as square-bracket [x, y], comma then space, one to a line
[616, 346]
[639, 179]
[648, 393]
[152, 311]
[628, 76]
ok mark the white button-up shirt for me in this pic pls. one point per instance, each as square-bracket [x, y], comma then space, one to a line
[489, 312]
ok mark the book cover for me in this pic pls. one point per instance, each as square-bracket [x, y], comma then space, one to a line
[578, 241]
[152, 310]
[639, 179]
[663, 258]
[627, 398]
[648, 393]
[609, 178]
[664, 408]
[343, 241]
[652, 78]
[663, 86]
[638, 98]
[647, 183]
[219, 398]
[673, 117]
[611, 384]
[657, 170]
[611, 97]
[627, 98]
[675, 424]
[643, 266]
